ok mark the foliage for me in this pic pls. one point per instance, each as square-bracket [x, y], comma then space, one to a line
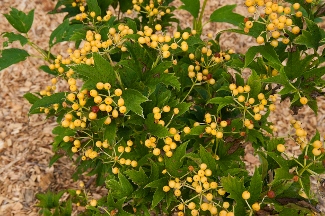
[161, 122]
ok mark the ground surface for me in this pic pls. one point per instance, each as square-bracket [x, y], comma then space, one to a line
[25, 140]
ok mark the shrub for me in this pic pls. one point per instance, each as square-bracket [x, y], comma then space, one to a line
[161, 120]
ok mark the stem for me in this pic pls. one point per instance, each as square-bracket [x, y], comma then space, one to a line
[188, 92]
[199, 20]
[116, 74]
[38, 49]
[170, 120]
[156, 62]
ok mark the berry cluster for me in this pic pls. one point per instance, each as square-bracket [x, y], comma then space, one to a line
[91, 16]
[278, 19]
[203, 189]
[318, 147]
[163, 42]
[154, 10]
[200, 69]
[249, 105]
[85, 107]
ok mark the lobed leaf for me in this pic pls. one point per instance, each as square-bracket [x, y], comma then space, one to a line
[15, 37]
[267, 51]
[48, 100]
[133, 99]
[174, 163]
[138, 177]
[12, 56]
[226, 14]
[235, 187]
[102, 71]
[192, 6]
[93, 7]
[155, 129]
[19, 20]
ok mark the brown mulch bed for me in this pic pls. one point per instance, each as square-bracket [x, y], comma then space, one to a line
[25, 148]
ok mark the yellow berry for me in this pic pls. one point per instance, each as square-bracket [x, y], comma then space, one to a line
[226, 205]
[221, 191]
[249, 24]
[191, 205]
[303, 100]
[177, 192]
[241, 98]
[166, 189]
[295, 30]
[317, 144]
[93, 202]
[256, 206]
[316, 151]
[156, 151]
[92, 115]
[296, 6]
[281, 148]
[118, 92]
[246, 195]
[115, 170]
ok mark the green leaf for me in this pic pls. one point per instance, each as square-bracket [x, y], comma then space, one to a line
[93, 7]
[12, 56]
[125, 5]
[126, 186]
[159, 183]
[311, 38]
[235, 187]
[305, 39]
[19, 20]
[207, 158]
[49, 199]
[48, 100]
[183, 108]
[110, 132]
[59, 33]
[31, 97]
[137, 177]
[296, 66]
[60, 132]
[192, 6]
[254, 82]
[55, 158]
[157, 73]
[254, 135]
[15, 37]
[102, 71]
[222, 101]
[155, 129]
[46, 69]
[267, 51]
[197, 130]
[255, 187]
[168, 79]
[225, 14]
[264, 164]
[132, 24]
[78, 35]
[281, 78]
[282, 174]
[280, 160]
[133, 99]
[314, 73]
[157, 197]
[175, 162]
[121, 188]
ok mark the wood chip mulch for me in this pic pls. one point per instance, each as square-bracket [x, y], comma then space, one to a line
[25, 149]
